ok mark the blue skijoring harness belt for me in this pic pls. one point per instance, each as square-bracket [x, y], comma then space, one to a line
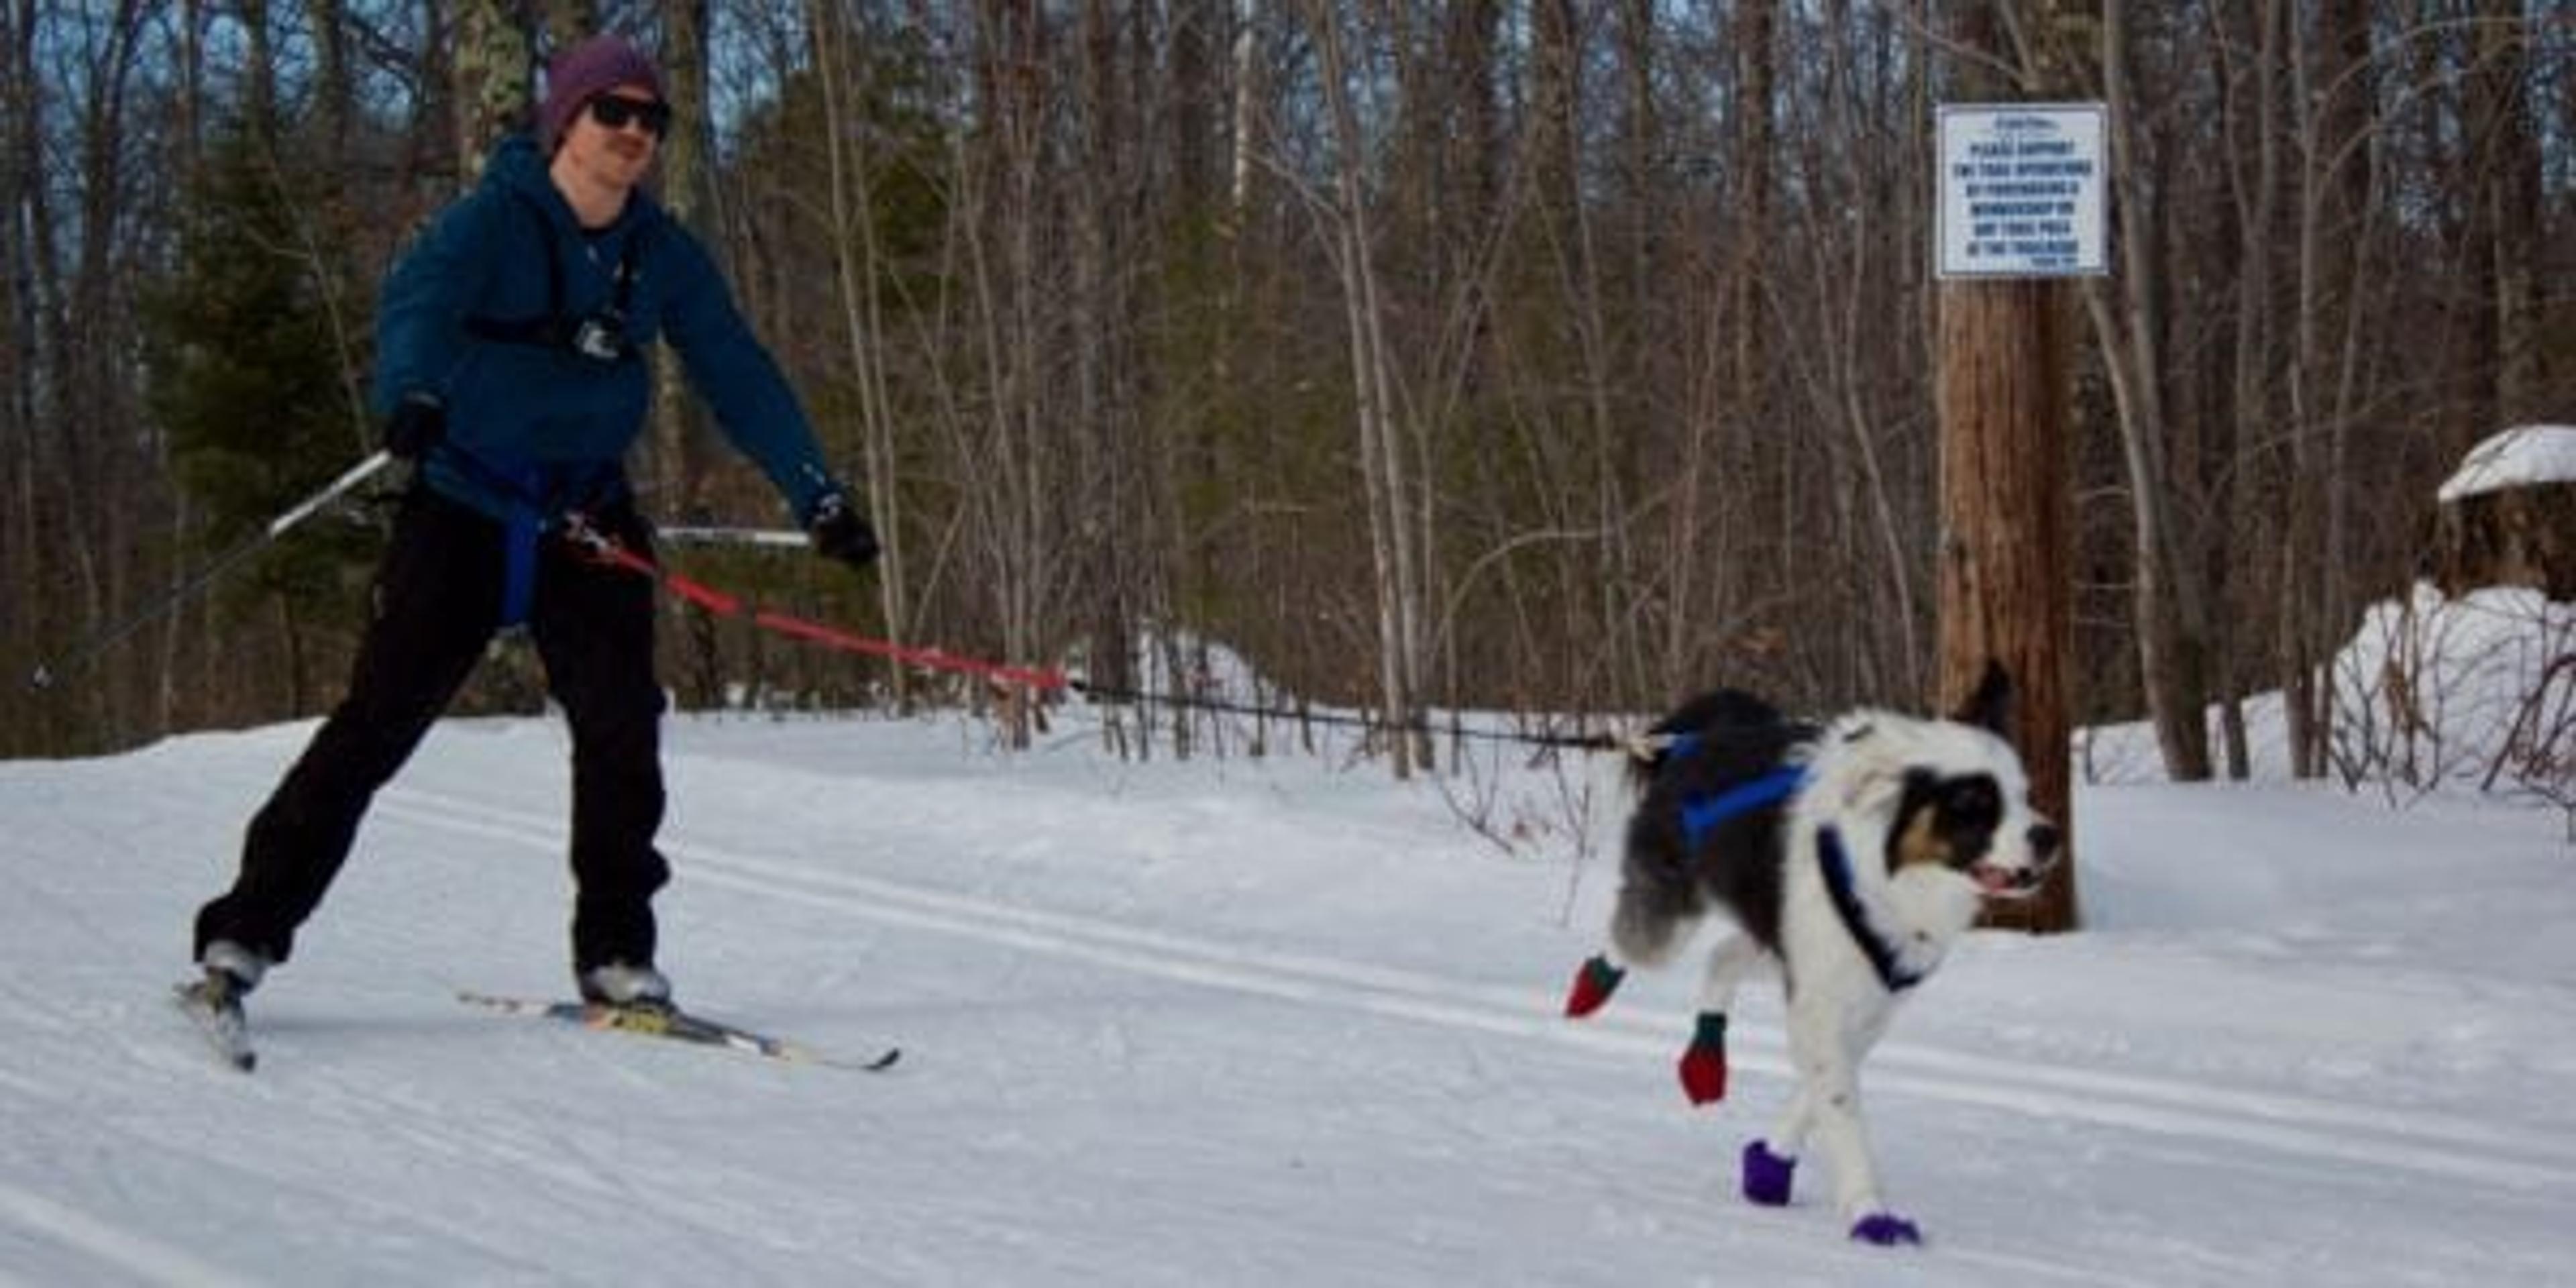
[537, 497]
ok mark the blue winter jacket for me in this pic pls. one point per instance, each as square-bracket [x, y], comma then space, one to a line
[534, 428]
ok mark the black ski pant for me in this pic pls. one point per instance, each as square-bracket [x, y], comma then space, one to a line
[437, 605]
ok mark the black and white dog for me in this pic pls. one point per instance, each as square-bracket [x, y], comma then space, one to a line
[1850, 856]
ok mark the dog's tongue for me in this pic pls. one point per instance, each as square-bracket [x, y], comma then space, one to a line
[1993, 880]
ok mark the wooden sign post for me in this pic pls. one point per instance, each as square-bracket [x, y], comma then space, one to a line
[2020, 212]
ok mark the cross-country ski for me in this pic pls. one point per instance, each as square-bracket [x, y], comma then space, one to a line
[678, 1025]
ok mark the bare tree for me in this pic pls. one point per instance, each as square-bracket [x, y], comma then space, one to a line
[1001, 437]
[1581, 349]
[1384, 474]
[858, 260]
[2504, 136]
[2171, 599]
[688, 194]
[20, 360]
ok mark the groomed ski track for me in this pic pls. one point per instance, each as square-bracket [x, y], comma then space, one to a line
[1219, 1060]
[2435, 1146]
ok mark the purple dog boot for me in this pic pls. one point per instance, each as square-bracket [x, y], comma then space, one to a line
[1766, 1175]
[1886, 1229]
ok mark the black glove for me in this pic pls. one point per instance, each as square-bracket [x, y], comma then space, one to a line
[418, 422]
[839, 533]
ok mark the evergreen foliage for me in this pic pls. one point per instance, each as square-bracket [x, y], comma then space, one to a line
[250, 380]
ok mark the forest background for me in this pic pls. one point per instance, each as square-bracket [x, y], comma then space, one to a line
[1548, 357]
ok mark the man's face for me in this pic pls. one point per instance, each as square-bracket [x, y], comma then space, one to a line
[617, 154]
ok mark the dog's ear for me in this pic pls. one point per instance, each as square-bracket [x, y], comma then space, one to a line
[1990, 707]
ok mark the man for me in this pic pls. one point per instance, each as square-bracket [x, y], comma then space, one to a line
[510, 373]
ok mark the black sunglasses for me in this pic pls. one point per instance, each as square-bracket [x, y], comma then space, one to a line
[613, 113]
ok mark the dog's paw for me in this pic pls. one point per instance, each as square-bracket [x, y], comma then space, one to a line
[1886, 1229]
[1594, 982]
[1703, 1066]
[1767, 1175]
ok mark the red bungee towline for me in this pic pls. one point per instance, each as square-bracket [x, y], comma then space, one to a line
[608, 549]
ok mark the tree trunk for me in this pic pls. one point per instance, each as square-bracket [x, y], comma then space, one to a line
[856, 258]
[2170, 599]
[334, 90]
[688, 194]
[21, 361]
[1382, 461]
[494, 65]
[101, 470]
[2006, 403]
[2509, 192]
[1002, 212]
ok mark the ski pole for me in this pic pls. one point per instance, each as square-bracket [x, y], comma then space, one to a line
[46, 673]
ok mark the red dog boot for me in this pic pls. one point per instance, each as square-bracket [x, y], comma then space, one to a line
[1594, 982]
[1704, 1064]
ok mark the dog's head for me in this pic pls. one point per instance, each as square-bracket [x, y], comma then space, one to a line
[1954, 793]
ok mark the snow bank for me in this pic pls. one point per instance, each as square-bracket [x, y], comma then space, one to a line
[2518, 457]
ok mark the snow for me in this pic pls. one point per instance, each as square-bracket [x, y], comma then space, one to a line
[2430, 691]
[1246, 1022]
[2523, 456]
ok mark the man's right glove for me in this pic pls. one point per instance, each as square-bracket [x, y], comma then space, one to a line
[418, 422]
[839, 533]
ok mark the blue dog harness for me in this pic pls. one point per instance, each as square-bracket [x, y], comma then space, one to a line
[1702, 815]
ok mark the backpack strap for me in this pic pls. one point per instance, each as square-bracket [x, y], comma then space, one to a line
[554, 329]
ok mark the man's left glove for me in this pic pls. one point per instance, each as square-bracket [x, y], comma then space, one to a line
[839, 533]
[418, 422]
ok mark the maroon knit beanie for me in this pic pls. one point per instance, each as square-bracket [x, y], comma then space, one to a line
[584, 72]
